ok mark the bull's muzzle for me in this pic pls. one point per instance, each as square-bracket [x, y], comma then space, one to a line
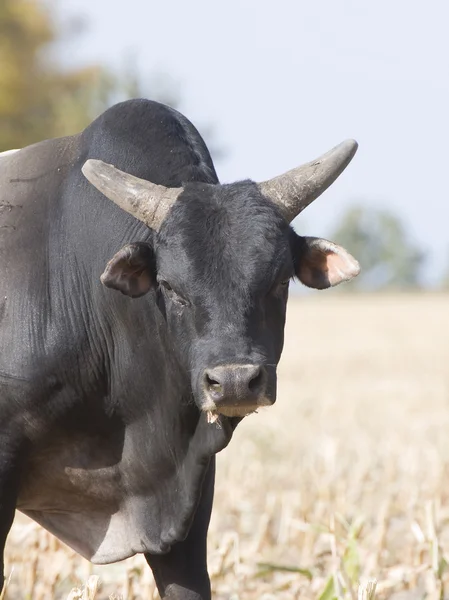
[235, 390]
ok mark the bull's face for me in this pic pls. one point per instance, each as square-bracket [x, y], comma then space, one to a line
[224, 261]
[221, 262]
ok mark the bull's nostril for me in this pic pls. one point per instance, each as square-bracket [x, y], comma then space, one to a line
[213, 385]
[256, 382]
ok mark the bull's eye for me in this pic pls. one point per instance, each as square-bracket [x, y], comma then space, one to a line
[171, 294]
[167, 287]
[282, 285]
[279, 288]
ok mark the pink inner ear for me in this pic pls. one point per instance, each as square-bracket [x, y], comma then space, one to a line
[341, 266]
[325, 264]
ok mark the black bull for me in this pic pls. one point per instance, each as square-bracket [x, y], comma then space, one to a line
[113, 405]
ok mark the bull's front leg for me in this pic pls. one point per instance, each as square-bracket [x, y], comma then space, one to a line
[181, 574]
[10, 465]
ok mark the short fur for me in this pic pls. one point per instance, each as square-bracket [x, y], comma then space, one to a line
[103, 437]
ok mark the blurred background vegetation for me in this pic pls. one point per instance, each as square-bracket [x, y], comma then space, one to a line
[41, 98]
[348, 477]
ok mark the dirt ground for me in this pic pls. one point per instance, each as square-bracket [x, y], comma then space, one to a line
[345, 478]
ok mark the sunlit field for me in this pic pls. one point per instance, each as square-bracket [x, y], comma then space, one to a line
[345, 479]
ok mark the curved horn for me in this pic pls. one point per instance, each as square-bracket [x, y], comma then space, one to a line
[144, 200]
[295, 190]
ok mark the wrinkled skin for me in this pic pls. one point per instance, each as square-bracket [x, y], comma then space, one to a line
[104, 395]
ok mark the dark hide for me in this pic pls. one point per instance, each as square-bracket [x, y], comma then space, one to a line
[103, 440]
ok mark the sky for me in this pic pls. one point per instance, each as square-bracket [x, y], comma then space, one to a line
[284, 81]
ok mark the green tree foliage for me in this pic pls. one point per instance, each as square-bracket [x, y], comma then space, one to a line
[38, 97]
[41, 99]
[378, 239]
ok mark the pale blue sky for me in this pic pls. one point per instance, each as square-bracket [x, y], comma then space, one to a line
[284, 81]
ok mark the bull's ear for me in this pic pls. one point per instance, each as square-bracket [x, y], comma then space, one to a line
[132, 270]
[321, 264]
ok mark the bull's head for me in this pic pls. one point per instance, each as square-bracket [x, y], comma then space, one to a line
[222, 258]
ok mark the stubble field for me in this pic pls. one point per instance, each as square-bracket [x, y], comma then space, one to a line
[345, 478]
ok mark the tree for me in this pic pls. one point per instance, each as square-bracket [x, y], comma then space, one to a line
[39, 98]
[388, 258]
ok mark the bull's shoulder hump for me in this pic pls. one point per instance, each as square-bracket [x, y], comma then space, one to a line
[151, 141]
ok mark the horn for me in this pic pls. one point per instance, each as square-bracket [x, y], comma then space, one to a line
[295, 190]
[144, 200]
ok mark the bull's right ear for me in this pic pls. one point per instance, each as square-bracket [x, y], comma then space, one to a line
[132, 270]
[321, 264]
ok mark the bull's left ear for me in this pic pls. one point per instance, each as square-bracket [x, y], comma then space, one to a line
[321, 264]
[132, 270]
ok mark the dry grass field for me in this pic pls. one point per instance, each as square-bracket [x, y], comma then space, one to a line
[345, 478]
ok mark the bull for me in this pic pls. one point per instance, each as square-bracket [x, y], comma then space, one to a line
[116, 396]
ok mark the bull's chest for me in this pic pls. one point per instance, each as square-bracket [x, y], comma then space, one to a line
[110, 496]
[72, 472]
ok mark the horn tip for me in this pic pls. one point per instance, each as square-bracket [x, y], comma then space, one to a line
[351, 146]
